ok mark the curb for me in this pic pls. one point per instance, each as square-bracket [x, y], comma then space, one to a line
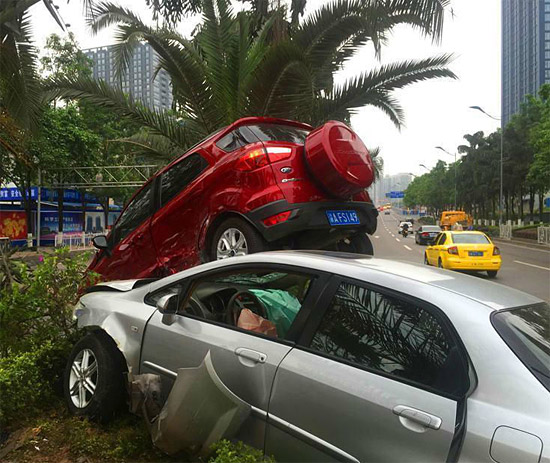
[523, 242]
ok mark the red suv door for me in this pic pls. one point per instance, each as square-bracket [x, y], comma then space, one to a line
[183, 207]
[131, 253]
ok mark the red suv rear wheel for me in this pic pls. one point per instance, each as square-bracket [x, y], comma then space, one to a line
[235, 237]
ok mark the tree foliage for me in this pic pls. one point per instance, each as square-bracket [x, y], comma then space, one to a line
[235, 66]
[526, 167]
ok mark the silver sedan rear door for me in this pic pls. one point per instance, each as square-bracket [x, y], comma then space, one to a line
[379, 377]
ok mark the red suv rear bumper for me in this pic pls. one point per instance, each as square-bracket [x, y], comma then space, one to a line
[308, 222]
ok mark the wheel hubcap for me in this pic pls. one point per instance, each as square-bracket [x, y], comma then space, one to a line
[83, 378]
[231, 243]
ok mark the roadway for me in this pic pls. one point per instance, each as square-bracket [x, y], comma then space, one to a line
[523, 267]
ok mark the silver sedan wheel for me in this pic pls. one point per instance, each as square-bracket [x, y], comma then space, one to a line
[83, 378]
[231, 243]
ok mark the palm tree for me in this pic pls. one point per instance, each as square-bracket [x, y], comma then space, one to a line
[230, 69]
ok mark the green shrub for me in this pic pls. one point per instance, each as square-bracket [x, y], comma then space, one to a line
[36, 329]
[27, 380]
[237, 452]
[426, 220]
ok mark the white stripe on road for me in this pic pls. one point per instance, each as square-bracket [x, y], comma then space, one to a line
[532, 265]
[377, 237]
[406, 247]
[397, 239]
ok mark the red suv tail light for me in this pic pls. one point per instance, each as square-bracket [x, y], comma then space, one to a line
[453, 250]
[425, 234]
[252, 159]
[496, 251]
[277, 218]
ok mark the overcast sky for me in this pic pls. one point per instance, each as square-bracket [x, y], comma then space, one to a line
[436, 111]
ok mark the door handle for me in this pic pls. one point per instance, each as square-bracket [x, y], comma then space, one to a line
[252, 355]
[418, 416]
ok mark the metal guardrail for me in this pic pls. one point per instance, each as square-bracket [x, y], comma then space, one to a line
[505, 231]
[543, 235]
[75, 240]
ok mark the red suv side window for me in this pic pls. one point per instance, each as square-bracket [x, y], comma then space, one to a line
[180, 175]
[137, 211]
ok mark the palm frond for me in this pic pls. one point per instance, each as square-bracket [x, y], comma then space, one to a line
[282, 84]
[429, 14]
[21, 95]
[101, 94]
[375, 87]
[153, 146]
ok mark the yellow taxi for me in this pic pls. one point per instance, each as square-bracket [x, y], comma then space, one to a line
[464, 250]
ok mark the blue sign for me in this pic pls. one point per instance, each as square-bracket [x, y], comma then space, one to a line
[396, 194]
[49, 222]
[69, 195]
[547, 202]
[13, 194]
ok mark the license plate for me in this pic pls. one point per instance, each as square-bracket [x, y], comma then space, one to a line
[475, 253]
[342, 218]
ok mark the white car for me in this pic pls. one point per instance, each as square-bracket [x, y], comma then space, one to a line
[348, 358]
[400, 228]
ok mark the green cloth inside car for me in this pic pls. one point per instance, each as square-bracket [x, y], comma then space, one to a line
[282, 307]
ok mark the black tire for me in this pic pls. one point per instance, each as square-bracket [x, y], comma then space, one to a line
[359, 243]
[440, 263]
[426, 261]
[492, 273]
[254, 241]
[109, 396]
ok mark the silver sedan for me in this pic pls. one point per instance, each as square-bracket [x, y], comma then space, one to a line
[339, 356]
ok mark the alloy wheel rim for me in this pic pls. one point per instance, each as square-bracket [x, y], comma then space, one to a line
[83, 378]
[231, 243]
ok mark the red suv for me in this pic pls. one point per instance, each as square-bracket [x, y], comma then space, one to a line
[261, 183]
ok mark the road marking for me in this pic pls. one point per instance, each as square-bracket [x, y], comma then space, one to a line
[377, 237]
[406, 247]
[397, 239]
[532, 265]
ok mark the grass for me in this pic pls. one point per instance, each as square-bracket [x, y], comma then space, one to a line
[58, 437]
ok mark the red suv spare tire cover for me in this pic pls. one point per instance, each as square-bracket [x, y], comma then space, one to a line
[339, 160]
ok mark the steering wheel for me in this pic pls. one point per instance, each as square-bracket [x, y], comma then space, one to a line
[244, 300]
[197, 308]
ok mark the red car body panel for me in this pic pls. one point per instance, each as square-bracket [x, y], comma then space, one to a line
[175, 235]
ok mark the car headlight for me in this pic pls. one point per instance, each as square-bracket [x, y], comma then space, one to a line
[78, 310]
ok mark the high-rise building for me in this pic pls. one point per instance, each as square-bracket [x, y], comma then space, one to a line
[525, 51]
[138, 79]
[388, 183]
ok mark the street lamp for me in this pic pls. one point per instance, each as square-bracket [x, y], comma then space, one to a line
[501, 198]
[422, 165]
[445, 151]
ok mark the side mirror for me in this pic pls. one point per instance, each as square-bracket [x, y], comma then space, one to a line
[100, 242]
[168, 304]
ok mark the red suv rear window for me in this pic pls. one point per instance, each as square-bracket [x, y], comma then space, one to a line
[247, 134]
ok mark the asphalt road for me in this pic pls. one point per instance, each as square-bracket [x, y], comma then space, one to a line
[523, 268]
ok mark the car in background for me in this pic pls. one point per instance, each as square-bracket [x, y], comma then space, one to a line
[464, 250]
[425, 234]
[258, 184]
[386, 212]
[351, 358]
[409, 225]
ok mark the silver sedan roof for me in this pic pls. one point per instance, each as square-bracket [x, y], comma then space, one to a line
[403, 275]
